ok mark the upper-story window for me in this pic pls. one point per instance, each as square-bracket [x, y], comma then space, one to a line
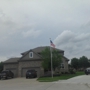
[62, 65]
[31, 54]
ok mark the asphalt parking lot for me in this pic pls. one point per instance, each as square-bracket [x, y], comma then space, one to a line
[77, 83]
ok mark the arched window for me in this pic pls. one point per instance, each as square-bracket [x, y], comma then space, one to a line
[31, 54]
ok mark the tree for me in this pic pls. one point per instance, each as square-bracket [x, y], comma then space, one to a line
[46, 55]
[83, 62]
[74, 63]
[1, 66]
[56, 59]
[89, 62]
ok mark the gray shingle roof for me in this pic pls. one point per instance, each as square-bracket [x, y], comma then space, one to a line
[40, 49]
[37, 50]
[66, 58]
[12, 60]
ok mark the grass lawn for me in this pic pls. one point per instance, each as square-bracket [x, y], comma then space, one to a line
[61, 77]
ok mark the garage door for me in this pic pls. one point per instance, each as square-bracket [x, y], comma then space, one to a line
[24, 70]
[14, 70]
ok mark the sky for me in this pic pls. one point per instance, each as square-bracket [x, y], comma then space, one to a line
[27, 24]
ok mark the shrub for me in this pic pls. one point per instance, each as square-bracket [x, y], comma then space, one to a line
[66, 72]
[62, 72]
[72, 71]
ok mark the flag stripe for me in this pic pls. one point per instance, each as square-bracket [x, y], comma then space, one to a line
[52, 44]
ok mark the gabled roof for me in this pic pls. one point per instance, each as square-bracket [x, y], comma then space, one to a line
[39, 57]
[12, 60]
[36, 50]
[66, 58]
[40, 49]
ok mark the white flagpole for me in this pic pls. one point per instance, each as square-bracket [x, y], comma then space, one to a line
[51, 61]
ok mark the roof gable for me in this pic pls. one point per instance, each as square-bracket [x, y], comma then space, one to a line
[26, 56]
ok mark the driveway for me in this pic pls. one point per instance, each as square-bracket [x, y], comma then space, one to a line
[76, 83]
[22, 84]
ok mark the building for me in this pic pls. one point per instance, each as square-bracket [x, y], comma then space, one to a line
[31, 59]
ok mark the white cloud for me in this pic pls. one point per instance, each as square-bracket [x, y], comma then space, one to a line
[64, 37]
[9, 28]
[82, 37]
[31, 33]
[24, 24]
[74, 44]
[2, 58]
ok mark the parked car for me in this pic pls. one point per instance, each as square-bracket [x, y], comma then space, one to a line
[31, 74]
[87, 71]
[6, 74]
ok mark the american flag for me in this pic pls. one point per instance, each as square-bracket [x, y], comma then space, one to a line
[52, 44]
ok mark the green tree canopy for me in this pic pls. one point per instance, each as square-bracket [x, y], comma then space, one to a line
[46, 55]
[74, 63]
[1, 66]
[83, 62]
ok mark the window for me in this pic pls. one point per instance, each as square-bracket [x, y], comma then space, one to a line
[62, 65]
[31, 54]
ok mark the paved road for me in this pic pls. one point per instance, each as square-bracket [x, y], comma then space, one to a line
[77, 83]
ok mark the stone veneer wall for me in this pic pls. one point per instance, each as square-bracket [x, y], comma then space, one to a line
[13, 67]
[10, 65]
[30, 64]
[65, 69]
